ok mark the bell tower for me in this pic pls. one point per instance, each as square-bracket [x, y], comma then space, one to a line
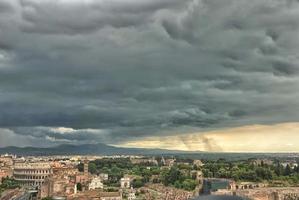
[85, 167]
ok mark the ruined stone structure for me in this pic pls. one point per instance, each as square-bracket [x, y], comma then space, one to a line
[269, 193]
[248, 185]
[262, 193]
[96, 195]
[58, 186]
[31, 174]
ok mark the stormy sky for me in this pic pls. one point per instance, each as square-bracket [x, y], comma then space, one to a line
[122, 71]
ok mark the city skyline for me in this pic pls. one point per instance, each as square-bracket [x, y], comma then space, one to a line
[192, 75]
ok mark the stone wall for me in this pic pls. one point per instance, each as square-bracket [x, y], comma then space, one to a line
[270, 193]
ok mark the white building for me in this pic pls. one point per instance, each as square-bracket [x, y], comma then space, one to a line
[125, 182]
[104, 176]
[131, 194]
[96, 183]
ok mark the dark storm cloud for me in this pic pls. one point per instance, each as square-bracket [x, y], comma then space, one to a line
[61, 134]
[113, 71]
[38, 17]
[5, 7]
[285, 67]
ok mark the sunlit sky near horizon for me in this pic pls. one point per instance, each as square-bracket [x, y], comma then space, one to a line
[198, 75]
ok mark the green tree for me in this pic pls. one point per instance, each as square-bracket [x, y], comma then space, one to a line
[79, 186]
[137, 183]
[80, 167]
[287, 170]
[92, 168]
[188, 184]
[279, 169]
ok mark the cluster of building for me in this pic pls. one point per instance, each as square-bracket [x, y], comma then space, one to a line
[6, 166]
[60, 178]
[67, 182]
[292, 163]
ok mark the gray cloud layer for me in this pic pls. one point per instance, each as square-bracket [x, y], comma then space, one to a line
[137, 68]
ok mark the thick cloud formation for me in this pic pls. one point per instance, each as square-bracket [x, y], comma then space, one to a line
[118, 70]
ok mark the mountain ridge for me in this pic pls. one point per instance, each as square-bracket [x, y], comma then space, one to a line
[86, 149]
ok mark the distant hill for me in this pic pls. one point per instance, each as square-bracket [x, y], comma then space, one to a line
[85, 149]
[103, 149]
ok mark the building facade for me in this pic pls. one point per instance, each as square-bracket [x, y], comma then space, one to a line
[95, 183]
[125, 182]
[104, 176]
[31, 174]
